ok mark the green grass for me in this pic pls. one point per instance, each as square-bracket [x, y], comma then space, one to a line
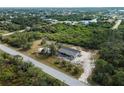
[3, 32]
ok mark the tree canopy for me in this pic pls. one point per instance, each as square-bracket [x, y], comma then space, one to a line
[16, 72]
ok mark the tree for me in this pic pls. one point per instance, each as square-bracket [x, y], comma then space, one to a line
[43, 41]
[103, 72]
[13, 71]
[62, 64]
[77, 70]
[53, 49]
[23, 40]
[118, 78]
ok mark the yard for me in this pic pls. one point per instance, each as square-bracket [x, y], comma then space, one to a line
[50, 61]
[86, 60]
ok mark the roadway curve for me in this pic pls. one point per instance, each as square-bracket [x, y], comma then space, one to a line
[49, 70]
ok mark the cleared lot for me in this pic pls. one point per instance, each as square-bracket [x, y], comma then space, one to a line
[86, 60]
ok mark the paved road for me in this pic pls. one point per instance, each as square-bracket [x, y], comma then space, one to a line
[12, 33]
[117, 23]
[53, 72]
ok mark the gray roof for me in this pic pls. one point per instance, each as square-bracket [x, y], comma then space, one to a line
[69, 51]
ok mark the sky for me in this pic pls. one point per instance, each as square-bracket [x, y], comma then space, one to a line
[61, 3]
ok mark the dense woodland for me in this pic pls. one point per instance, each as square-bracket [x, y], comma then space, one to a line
[22, 40]
[15, 72]
[110, 66]
[72, 17]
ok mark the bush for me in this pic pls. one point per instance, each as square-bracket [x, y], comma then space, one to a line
[73, 69]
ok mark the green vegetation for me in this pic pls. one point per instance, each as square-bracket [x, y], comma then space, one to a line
[101, 25]
[43, 28]
[15, 72]
[73, 69]
[27, 20]
[109, 68]
[22, 40]
[19, 22]
[77, 35]
[3, 32]
[85, 36]
[121, 26]
[9, 27]
[49, 50]
[71, 17]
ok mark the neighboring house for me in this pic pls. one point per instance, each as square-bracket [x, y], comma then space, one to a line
[68, 53]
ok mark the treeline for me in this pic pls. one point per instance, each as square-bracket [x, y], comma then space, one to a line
[22, 40]
[19, 22]
[44, 28]
[110, 66]
[85, 36]
[110, 43]
[76, 35]
[71, 17]
[27, 20]
[9, 26]
[15, 72]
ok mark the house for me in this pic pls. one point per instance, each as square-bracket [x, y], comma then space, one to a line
[68, 53]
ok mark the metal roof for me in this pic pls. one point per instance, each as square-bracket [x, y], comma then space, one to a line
[69, 51]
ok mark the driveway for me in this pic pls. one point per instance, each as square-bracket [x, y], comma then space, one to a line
[87, 63]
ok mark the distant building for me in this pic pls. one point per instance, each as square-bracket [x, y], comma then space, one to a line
[52, 21]
[68, 53]
[87, 22]
[121, 10]
[70, 22]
